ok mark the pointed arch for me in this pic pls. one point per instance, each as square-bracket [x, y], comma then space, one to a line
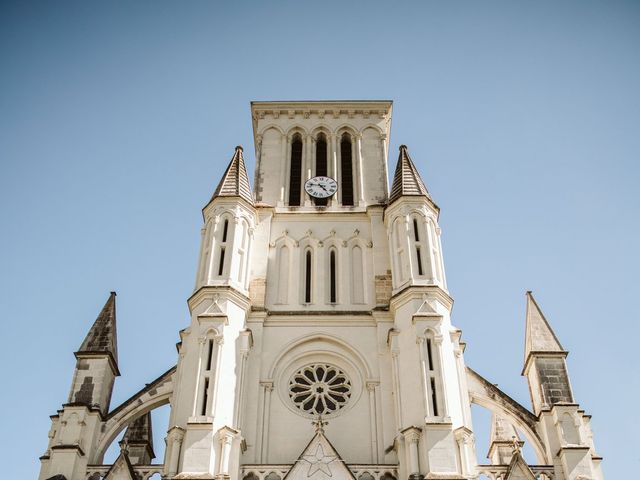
[295, 169]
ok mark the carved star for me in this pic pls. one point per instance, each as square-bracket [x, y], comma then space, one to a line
[319, 461]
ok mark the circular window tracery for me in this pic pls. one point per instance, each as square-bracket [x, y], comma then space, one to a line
[319, 389]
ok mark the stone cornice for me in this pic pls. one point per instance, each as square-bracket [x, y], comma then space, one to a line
[417, 292]
[231, 293]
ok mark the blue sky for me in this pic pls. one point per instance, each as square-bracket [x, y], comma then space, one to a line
[118, 118]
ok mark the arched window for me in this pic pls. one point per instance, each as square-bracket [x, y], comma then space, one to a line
[346, 168]
[333, 292]
[321, 163]
[295, 173]
[432, 372]
[223, 247]
[307, 277]
[420, 248]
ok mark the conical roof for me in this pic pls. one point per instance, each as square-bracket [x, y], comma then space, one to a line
[406, 180]
[235, 181]
[539, 336]
[102, 337]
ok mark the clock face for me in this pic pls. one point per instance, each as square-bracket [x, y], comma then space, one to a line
[321, 187]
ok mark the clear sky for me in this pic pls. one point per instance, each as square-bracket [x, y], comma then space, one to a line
[118, 118]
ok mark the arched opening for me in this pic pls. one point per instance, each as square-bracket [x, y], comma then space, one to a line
[159, 426]
[321, 164]
[346, 169]
[333, 296]
[307, 277]
[295, 172]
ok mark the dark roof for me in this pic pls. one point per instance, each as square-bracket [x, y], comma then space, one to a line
[539, 336]
[139, 432]
[406, 180]
[102, 337]
[235, 181]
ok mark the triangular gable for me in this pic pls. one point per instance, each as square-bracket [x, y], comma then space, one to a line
[121, 469]
[518, 469]
[319, 461]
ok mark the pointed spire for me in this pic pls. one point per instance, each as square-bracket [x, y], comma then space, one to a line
[139, 440]
[406, 180]
[502, 430]
[235, 181]
[102, 337]
[539, 336]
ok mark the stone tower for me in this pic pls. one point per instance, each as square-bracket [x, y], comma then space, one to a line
[321, 344]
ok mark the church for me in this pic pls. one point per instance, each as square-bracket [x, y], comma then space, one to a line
[321, 344]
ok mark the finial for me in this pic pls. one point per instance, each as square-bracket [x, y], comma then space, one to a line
[516, 446]
[319, 424]
[113, 293]
[402, 147]
[239, 147]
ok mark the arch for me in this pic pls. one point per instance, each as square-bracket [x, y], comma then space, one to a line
[373, 126]
[271, 126]
[322, 128]
[346, 127]
[152, 396]
[487, 395]
[320, 336]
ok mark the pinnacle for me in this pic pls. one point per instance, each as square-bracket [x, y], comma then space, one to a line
[235, 181]
[406, 179]
[502, 430]
[539, 336]
[102, 337]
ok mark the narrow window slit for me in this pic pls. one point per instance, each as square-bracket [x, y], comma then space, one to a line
[221, 265]
[205, 398]
[225, 229]
[415, 230]
[307, 283]
[209, 354]
[434, 399]
[332, 267]
[321, 164]
[295, 172]
[419, 257]
[429, 354]
[346, 170]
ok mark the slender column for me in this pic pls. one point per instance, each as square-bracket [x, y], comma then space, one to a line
[412, 437]
[177, 435]
[285, 167]
[212, 246]
[407, 246]
[425, 373]
[245, 346]
[395, 351]
[215, 384]
[266, 412]
[437, 339]
[385, 164]
[226, 437]
[287, 170]
[202, 259]
[333, 165]
[430, 251]
[462, 384]
[371, 388]
[360, 172]
[196, 396]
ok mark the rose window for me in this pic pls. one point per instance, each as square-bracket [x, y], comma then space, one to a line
[319, 389]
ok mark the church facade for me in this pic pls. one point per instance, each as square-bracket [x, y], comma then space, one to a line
[321, 344]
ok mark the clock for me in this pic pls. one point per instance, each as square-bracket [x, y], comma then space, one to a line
[321, 187]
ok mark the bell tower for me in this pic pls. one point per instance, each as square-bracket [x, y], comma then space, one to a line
[320, 343]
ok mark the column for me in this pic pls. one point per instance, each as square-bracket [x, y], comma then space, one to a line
[285, 167]
[425, 374]
[383, 145]
[360, 172]
[174, 439]
[373, 415]
[333, 166]
[411, 438]
[266, 412]
[437, 340]
[426, 224]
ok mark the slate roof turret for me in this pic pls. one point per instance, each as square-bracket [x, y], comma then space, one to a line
[235, 181]
[406, 179]
[102, 337]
